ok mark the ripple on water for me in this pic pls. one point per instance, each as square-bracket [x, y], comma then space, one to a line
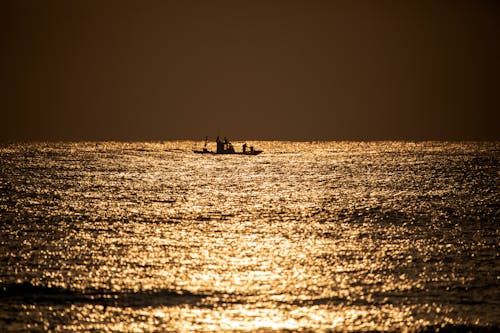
[316, 236]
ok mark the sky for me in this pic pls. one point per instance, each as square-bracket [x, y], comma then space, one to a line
[271, 70]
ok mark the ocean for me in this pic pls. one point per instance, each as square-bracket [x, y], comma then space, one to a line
[307, 236]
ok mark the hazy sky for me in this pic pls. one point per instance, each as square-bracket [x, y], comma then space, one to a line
[295, 70]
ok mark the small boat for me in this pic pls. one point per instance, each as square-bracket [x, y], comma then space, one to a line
[206, 151]
[226, 148]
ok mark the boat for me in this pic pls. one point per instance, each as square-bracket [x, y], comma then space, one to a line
[206, 151]
[226, 148]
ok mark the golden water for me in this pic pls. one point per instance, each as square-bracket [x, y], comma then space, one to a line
[306, 236]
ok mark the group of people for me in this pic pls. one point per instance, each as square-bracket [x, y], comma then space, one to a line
[244, 148]
[227, 147]
[224, 146]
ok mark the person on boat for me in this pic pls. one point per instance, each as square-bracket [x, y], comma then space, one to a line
[244, 148]
[205, 146]
[220, 146]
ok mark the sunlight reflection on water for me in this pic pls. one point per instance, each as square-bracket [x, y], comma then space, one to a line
[341, 236]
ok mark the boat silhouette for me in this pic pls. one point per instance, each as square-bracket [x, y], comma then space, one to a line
[226, 148]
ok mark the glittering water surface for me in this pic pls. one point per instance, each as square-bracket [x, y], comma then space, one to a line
[336, 236]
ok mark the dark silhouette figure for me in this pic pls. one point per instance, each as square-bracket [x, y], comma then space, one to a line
[220, 146]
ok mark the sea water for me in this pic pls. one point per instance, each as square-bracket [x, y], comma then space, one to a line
[341, 236]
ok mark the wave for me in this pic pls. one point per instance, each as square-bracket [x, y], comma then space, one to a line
[453, 328]
[28, 293]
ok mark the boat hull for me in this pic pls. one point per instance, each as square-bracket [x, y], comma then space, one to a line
[250, 153]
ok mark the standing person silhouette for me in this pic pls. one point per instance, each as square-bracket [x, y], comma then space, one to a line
[220, 146]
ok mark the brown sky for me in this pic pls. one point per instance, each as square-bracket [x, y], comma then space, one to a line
[294, 70]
